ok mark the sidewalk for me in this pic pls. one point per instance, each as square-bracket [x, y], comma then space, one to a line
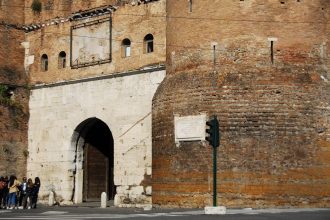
[195, 211]
[94, 204]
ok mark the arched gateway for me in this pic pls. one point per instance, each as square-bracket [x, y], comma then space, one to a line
[93, 144]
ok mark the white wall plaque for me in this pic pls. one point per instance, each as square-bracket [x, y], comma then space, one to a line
[190, 128]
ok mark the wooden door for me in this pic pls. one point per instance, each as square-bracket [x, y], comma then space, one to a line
[96, 173]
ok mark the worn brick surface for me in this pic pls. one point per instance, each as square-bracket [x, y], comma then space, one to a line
[13, 112]
[12, 11]
[133, 22]
[63, 8]
[274, 118]
[60, 8]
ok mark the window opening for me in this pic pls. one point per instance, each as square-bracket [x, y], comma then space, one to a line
[126, 48]
[44, 62]
[272, 51]
[214, 56]
[149, 43]
[61, 60]
[190, 6]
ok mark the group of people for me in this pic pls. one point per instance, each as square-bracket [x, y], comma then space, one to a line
[15, 194]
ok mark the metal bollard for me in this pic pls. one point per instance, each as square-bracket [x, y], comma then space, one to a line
[103, 200]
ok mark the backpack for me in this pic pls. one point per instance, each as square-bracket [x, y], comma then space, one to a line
[2, 185]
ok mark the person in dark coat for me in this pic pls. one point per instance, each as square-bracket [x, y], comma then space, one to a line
[28, 195]
[5, 192]
[2, 186]
[35, 192]
[22, 191]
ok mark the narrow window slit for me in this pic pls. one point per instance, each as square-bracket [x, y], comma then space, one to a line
[190, 6]
[272, 52]
[214, 55]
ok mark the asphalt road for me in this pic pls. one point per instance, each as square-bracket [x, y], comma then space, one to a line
[73, 213]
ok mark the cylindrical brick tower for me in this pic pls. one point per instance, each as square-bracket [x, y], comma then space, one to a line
[263, 68]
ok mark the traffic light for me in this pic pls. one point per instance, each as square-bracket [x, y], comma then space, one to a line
[213, 131]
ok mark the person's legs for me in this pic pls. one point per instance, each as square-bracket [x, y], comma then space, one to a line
[34, 202]
[4, 200]
[24, 201]
[20, 198]
[1, 197]
[10, 200]
[30, 202]
[15, 200]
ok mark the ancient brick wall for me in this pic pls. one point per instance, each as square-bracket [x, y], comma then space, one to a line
[13, 90]
[59, 8]
[13, 128]
[12, 11]
[262, 67]
[132, 22]
[63, 8]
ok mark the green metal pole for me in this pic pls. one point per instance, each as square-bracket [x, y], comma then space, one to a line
[214, 176]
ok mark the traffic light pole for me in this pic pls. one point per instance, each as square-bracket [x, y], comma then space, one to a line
[214, 176]
[214, 141]
[213, 137]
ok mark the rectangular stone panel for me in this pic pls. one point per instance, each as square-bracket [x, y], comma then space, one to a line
[190, 128]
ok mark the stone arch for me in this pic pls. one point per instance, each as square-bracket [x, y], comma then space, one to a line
[93, 146]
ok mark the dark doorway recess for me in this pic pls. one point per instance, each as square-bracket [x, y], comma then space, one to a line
[98, 157]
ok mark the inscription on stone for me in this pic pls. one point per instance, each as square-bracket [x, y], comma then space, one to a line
[189, 128]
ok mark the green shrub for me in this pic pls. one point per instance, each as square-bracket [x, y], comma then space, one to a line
[36, 6]
[4, 98]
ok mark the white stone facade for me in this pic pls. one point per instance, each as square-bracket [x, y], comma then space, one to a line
[123, 103]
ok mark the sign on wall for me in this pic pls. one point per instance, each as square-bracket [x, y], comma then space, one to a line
[189, 128]
[91, 43]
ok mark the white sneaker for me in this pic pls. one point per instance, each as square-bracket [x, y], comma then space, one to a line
[10, 207]
[20, 207]
[29, 207]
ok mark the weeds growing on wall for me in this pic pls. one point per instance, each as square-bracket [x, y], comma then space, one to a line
[5, 99]
[36, 6]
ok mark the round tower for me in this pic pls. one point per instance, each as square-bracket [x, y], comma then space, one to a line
[262, 67]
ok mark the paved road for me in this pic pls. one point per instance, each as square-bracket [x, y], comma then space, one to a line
[159, 214]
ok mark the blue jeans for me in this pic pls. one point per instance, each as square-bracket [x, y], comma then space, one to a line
[12, 199]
